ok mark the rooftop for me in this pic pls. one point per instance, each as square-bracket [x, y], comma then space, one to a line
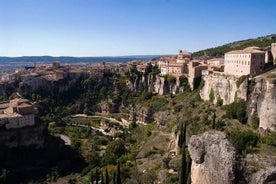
[248, 50]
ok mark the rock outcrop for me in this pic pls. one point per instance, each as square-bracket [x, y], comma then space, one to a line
[154, 84]
[263, 101]
[224, 87]
[213, 159]
[26, 136]
[262, 98]
[260, 169]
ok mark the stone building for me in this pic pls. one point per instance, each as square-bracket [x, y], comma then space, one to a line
[183, 57]
[249, 61]
[273, 51]
[17, 113]
[175, 67]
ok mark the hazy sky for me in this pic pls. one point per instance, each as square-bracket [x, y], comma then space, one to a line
[128, 27]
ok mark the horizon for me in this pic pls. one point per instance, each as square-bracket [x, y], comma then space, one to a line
[104, 28]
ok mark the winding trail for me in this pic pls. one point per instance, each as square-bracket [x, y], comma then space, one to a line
[66, 139]
[123, 122]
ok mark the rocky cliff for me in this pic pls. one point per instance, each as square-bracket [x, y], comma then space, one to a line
[224, 87]
[26, 136]
[213, 159]
[263, 100]
[154, 84]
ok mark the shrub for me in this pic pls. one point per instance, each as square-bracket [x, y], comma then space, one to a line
[170, 78]
[243, 141]
[212, 95]
[255, 120]
[219, 101]
[240, 80]
[184, 83]
[237, 110]
[270, 139]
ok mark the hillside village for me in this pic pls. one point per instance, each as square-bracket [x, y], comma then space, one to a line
[147, 78]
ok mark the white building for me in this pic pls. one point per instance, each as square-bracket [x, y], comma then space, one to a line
[249, 61]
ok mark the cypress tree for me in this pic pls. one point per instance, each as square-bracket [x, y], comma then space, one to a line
[189, 179]
[106, 176]
[92, 178]
[119, 181]
[97, 176]
[114, 178]
[182, 135]
[183, 170]
[214, 121]
[102, 178]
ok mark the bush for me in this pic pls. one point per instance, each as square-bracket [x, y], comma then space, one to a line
[240, 80]
[219, 101]
[170, 78]
[243, 141]
[237, 110]
[212, 95]
[116, 147]
[255, 120]
[270, 139]
[184, 83]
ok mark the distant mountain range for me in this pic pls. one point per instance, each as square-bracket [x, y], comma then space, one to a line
[72, 60]
[263, 42]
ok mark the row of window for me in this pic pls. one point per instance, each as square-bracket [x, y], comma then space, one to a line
[238, 56]
[240, 62]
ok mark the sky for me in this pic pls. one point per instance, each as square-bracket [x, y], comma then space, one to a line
[128, 27]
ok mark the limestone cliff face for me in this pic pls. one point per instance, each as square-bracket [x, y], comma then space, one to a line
[213, 159]
[26, 136]
[154, 84]
[224, 87]
[266, 170]
[263, 99]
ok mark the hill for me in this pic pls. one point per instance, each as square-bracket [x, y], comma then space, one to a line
[263, 42]
[73, 60]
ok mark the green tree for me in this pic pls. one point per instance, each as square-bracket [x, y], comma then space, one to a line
[214, 121]
[244, 140]
[255, 120]
[182, 135]
[219, 101]
[211, 95]
[118, 179]
[183, 170]
[106, 176]
[116, 147]
[114, 178]
[102, 178]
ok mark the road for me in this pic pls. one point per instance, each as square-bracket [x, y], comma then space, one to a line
[66, 139]
[124, 122]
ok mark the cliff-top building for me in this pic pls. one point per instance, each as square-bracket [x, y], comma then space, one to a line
[17, 113]
[273, 51]
[249, 61]
[175, 67]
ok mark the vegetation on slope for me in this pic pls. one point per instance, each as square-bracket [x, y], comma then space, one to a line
[262, 42]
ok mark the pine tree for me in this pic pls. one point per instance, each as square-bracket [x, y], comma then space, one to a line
[119, 181]
[106, 176]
